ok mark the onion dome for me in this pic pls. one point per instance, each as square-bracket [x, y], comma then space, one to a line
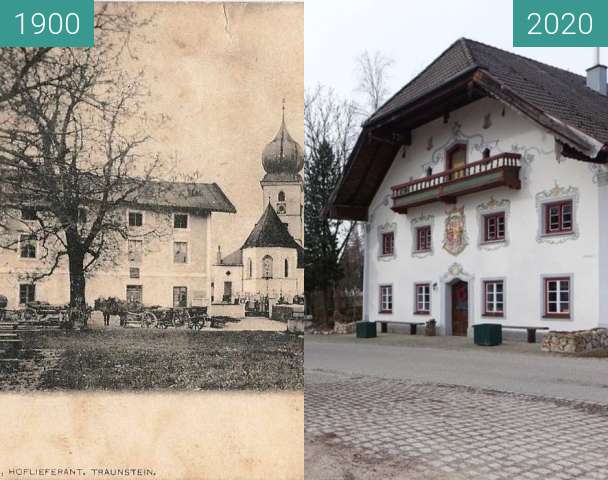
[283, 158]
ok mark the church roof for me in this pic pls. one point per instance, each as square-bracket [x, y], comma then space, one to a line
[283, 157]
[270, 231]
[235, 259]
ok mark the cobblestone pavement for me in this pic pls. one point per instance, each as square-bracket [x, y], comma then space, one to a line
[459, 431]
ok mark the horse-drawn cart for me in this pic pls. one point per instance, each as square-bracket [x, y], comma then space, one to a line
[136, 314]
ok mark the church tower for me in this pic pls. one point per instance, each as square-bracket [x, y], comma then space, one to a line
[282, 186]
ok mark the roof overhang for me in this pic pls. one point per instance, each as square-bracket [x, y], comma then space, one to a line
[383, 137]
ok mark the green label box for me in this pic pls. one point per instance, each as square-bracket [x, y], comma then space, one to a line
[46, 23]
[560, 23]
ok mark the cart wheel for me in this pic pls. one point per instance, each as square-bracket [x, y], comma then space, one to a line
[149, 320]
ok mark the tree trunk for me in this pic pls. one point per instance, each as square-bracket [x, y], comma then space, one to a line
[77, 278]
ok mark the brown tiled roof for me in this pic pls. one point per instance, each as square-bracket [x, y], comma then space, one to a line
[184, 195]
[557, 92]
[270, 231]
[556, 99]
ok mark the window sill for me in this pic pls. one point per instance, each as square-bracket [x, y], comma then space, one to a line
[428, 250]
[557, 234]
[493, 315]
[422, 312]
[557, 316]
[386, 312]
[493, 242]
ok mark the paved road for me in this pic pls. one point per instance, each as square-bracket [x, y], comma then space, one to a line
[519, 368]
[411, 431]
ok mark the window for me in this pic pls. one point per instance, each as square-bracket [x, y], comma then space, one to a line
[134, 272]
[423, 238]
[457, 158]
[28, 214]
[281, 196]
[250, 268]
[388, 243]
[267, 267]
[135, 294]
[429, 171]
[136, 219]
[136, 249]
[386, 299]
[423, 298]
[180, 220]
[27, 293]
[494, 298]
[557, 297]
[27, 246]
[180, 297]
[286, 268]
[494, 227]
[558, 217]
[486, 153]
[180, 252]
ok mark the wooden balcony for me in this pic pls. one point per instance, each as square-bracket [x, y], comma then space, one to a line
[497, 171]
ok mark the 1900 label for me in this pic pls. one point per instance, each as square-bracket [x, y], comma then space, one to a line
[44, 23]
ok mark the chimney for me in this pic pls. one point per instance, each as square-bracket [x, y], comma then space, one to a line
[219, 254]
[596, 75]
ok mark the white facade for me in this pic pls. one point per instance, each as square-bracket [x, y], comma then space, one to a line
[523, 259]
[154, 273]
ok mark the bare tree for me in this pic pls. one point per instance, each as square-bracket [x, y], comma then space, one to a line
[69, 163]
[373, 74]
[16, 63]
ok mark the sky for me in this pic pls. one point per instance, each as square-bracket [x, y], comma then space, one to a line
[217, 77]
[412, 34]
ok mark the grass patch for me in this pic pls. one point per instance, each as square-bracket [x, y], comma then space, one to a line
[136, 359]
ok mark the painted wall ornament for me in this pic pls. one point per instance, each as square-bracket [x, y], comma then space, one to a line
[455, 240]
[487, 208]
[555, 194]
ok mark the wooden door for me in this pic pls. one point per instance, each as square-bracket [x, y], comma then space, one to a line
[460, 308]
[227, 292]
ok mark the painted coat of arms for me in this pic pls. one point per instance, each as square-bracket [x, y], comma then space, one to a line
[455, 239]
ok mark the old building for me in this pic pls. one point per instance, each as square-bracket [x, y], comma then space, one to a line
[269, 264]
[483, 185]
[165, 261]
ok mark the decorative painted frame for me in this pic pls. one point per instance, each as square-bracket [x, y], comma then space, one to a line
[490, 207]
[415, 224]
[388, 227]
[557, 194]
[482, 297]
[543, 315]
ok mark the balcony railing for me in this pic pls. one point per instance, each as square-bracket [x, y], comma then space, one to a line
[491, 172]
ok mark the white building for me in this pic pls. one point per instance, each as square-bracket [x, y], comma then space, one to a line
[165, 261]
[484, 188]
[269, 264]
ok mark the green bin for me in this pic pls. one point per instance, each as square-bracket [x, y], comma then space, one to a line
[366, 329]
[487, 334]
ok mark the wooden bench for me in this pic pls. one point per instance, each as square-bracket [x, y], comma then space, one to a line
[413, 325]
[531, 331]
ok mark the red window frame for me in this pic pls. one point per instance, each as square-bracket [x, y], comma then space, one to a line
[420, 304]
[389, 288]
[423, 238]
[486, 311]
[494, 218]
[560, 225]
[388, 243]
[558, 301]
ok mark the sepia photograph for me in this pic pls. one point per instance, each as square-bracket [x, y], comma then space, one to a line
[151, 222]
